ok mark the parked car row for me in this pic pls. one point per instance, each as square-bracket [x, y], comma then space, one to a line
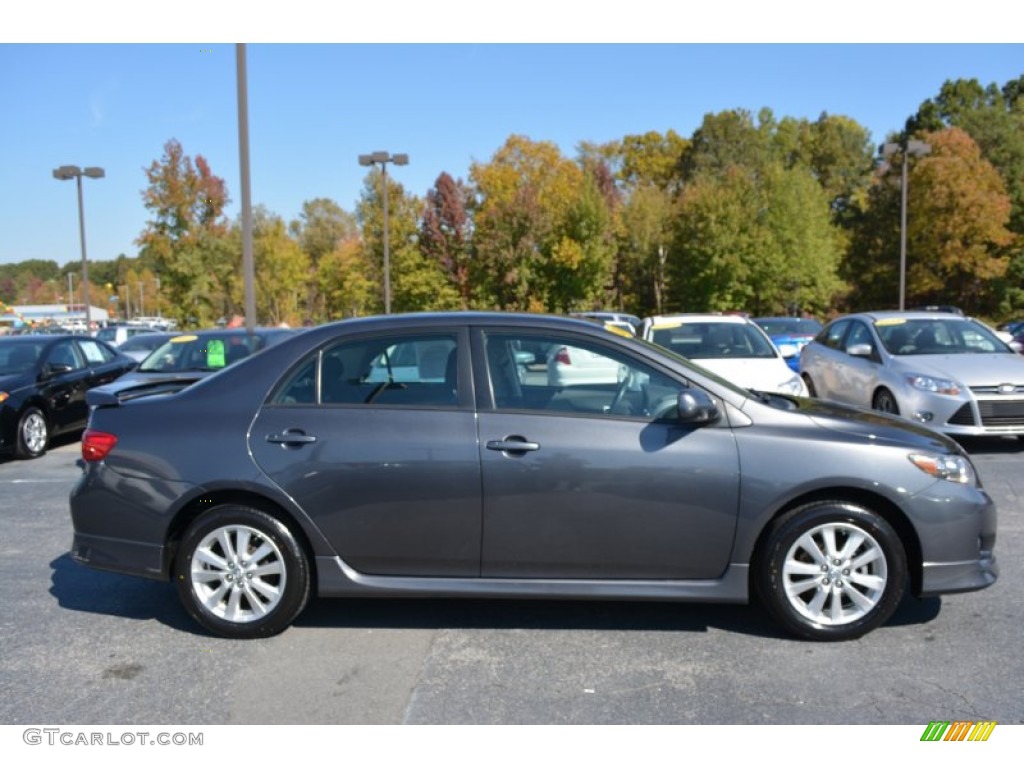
[44, 377]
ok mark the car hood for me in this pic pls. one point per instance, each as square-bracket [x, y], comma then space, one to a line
[765, 373]
[13, 381]
[874, 426]
[972, 370]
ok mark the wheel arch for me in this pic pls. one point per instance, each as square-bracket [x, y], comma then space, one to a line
[875, 502]
[192, 509]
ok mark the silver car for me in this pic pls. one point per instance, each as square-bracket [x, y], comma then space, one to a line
[949, 372]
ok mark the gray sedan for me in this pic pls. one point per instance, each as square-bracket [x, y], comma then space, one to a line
[944, 370]
[314, 468]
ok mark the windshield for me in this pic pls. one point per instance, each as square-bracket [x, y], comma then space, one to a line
[713, 341]
[953, 336]
[789, 326]
[201, 353]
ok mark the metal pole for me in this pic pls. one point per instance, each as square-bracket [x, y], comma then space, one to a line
[387, 253]
[85, 261]
[248, 266]
[903, 232]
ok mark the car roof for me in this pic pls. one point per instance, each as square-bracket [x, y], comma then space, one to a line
[697, 317]
[895, 314]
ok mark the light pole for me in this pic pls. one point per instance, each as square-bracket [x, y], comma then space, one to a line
[65, 173]
[908, 148]
[384, 158]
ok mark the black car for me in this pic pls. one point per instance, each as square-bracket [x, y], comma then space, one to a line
[422, 455]
[43, 381]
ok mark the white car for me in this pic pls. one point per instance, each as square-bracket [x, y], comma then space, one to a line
[573, 365]
[735, 348]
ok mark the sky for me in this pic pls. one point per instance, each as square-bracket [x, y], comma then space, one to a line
[448, 95]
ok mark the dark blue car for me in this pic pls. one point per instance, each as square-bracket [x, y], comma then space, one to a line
[794, 331]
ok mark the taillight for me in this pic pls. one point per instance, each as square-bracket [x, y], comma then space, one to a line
[96, 445]
[563, 356]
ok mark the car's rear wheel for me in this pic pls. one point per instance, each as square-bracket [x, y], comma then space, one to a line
[241, 573]
[831, 571]
[811, 391]
[33, 434]
[885, 402]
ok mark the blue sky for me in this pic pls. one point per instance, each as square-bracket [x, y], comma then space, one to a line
[313, 107]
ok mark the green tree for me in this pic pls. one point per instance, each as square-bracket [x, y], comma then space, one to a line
[185, 236]
[345, 280]
[321, 228]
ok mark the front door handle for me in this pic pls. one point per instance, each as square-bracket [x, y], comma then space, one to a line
[513, 444]
[291, 437]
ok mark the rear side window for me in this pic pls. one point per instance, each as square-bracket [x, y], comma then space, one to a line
[419, 371]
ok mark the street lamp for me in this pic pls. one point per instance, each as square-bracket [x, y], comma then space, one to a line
[908, 148]
[384, 158]
[66, 173]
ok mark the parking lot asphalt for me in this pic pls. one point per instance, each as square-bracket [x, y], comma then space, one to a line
[78, 646]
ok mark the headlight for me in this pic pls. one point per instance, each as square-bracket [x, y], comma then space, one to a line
[956, 469]
[3, 396]
[932, 384]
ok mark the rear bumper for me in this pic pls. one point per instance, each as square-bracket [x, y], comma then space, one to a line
[129, 557]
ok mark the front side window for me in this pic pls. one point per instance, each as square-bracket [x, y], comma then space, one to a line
[572, 376]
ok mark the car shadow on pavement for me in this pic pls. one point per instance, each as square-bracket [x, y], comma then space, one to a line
[84, 589]
[579, 615]
[78, 588]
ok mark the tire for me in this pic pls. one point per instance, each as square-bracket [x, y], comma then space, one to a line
[831, 571]
[885, 402]
[236, 596]
[811, 391]
[33, 434]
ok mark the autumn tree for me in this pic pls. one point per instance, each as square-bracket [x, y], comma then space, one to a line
[538, 228]
[957, 239]
[444, 236]
[958, 233]
[185, 235]
[417, 282]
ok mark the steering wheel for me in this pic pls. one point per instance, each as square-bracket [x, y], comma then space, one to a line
[620, 393]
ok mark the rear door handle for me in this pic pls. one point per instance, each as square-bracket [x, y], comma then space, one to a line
[290, 437]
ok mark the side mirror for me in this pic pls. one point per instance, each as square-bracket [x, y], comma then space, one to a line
[695, 406]
[788, 350]
[56, 369]
[860, 350]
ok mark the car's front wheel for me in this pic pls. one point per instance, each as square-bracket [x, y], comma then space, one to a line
[811, 391]
[33, 434]
[885, 402]
[831, 571]
[241, 573]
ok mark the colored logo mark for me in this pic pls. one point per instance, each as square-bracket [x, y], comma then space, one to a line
[958, 730]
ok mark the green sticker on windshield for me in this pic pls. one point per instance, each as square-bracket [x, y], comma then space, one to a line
[215, 354]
